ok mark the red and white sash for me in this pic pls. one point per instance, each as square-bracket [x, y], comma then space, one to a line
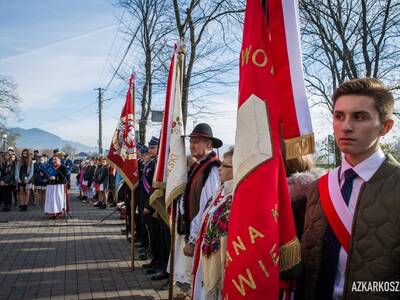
[336, 211]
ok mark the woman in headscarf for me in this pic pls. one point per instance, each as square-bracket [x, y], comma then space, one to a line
[23, 176]
[56, 189]
[209, 259]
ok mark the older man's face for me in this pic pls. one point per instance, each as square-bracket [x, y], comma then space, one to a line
[199, 147]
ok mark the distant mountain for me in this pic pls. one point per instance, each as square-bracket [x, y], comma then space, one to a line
[36, 138]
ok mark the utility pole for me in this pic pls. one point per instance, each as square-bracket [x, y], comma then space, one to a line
[100, 141]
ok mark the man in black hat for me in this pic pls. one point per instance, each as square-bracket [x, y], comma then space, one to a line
[203, 181]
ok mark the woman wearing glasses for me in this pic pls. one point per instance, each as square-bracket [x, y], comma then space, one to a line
[208, 265]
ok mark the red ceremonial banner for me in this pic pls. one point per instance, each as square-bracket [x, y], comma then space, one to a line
[122, 154]
[261, 239]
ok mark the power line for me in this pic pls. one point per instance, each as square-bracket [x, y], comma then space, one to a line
[123, 58]
[66, 115]
[122, 43]
[112, 45]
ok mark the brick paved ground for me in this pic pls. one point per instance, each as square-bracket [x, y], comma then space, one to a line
[80, 259]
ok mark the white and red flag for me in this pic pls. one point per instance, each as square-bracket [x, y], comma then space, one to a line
[262, 239]
[171, 170]
[122, 154]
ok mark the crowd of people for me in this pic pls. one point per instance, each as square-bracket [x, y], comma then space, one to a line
[96, 181]
[366, 190]
[34, 176]
[365, 186]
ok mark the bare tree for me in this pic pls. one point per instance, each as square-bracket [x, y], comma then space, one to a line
[9, 99]
[348, 39]
[209, 29]
[150, 38]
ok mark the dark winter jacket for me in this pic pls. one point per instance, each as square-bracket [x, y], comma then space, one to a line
[60, 177]
[40, 178]
[89, 173]
[374, 254]
[102, 176]
[7, 172]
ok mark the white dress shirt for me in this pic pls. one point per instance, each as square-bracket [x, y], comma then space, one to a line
[365, 170]
[210, 187]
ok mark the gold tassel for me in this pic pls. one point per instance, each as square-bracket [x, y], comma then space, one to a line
[290, 254]
[299, 146]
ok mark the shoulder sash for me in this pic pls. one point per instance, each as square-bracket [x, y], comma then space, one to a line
[335, 209]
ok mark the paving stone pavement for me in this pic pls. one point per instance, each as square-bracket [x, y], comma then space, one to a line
[78, 259]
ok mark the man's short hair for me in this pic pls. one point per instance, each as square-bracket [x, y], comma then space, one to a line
[371, 87]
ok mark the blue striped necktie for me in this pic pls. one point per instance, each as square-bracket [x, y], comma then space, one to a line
[331, 246]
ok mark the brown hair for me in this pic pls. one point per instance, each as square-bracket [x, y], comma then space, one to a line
[229, 152]
[299, 164]
[371, 87]
[26, 160]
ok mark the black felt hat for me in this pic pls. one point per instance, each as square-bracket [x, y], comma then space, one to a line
[204, 130]
[154, 141]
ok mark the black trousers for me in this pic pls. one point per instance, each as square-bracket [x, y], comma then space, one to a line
[165, 244]
[160, 241]
[6, 195]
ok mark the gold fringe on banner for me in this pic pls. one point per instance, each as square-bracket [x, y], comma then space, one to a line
[159, 185]
[299, 146]
[290, 255]
[157, 201]
[175, 193]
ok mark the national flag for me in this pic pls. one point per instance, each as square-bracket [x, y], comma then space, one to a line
[262, 240]
[171, 170]
[122, 154]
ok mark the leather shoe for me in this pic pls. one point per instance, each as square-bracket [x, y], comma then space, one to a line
[163, 275]
[141, 256]
[147, 266]
[152, 271]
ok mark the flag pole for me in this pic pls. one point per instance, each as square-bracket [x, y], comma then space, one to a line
[133, 191]
[133, 228]
[181, 57]
[172, 260]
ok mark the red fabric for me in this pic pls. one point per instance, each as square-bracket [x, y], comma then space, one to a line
[333, 218]
[280, 58]
[197, 253]
[163, 146]
[255, 270]
[123, 141]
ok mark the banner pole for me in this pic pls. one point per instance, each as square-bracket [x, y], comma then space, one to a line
[133, 228]
[172, 261]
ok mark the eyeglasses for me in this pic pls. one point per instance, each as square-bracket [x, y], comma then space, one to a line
[226, 166]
